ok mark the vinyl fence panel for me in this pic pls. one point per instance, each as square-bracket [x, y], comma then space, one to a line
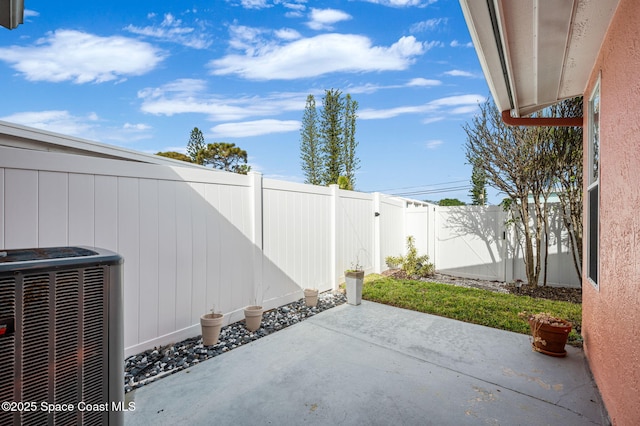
[297, 236]
[560, 269]
[418, 223]
[81, 209]
[392, 226]
[355, 231]
[470, 242]
[194, 238]
[475, 242]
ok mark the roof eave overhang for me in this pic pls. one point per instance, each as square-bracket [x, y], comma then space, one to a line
[490, 50]
[17, 136]
[535, 53]
[11, 13]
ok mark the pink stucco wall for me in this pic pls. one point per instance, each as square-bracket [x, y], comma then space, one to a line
[611, 316]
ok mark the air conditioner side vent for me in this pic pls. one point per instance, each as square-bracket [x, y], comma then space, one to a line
[7, 352]
[60, 336]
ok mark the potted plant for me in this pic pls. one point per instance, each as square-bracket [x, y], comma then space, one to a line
[211, 325]
[311, 297]
[354, 279]
[252, 317]
[549, 333]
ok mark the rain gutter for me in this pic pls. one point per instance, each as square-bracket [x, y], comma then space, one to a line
[541, 121]
[506, 115]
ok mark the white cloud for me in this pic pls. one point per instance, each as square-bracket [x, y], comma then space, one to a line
[423, 82]
[88, 126]
[456, 43]
[126, 134]
[432, 120]
[428, 25]
[433, 144]
[137, 126]
[369, 88]
[185, 87]
[374, 114]
[30, 13]
[57, 121]
[311, 57]
[254, 4]
[465, 109]
[82, 58]
[323, 19]
[173, 30]
[458, 100]
[287, 34]
[190, 96]
[295, 9]
[459, 73]
[447, 105]
[403, 3]
[249, 39]
[255, 128]
[431, 44]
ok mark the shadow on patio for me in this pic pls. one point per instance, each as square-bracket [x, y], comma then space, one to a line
[377, 365]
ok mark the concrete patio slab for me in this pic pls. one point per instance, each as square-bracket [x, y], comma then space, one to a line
[377, 365]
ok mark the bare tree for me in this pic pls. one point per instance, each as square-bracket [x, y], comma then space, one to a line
[567, 152]
[512, 161]
[528, 164]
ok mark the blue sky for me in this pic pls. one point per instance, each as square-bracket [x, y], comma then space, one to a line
[142, 74]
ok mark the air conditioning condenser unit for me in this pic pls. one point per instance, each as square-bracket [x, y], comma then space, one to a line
[61, 336]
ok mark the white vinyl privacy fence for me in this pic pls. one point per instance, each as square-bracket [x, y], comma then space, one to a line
[475, 242]
[195, 238]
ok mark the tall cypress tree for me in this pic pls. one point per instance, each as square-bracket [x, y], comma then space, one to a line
[331, 133]
[478, 189]
[350, 161]
[310, 144]
[328, 143]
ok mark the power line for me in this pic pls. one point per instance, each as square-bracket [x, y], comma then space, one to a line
[433, 191]
[421, 186]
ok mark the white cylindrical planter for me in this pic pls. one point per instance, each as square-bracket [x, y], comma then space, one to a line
[310, 297]
[353, 282]
[252, 317]
[211, 325]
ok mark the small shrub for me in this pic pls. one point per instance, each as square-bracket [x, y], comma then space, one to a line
[412, 264]
[393, 262]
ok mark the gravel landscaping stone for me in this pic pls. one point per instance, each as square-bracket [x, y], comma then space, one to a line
[161, 361]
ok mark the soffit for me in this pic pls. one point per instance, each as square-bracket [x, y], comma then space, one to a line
[535, 53]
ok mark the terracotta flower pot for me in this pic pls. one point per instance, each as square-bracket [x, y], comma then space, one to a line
[550, 339]
[253, 317]
[211, 325]
[310, 297]
[353, 282]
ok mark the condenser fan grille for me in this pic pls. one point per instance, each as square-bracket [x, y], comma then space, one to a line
[58, 351]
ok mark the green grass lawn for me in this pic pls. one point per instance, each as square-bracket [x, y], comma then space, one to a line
[483, 307]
